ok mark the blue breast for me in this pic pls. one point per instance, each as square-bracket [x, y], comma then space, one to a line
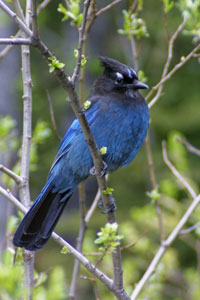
[117, 125]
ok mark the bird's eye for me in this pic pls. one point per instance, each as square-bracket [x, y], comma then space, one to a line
[119, 78]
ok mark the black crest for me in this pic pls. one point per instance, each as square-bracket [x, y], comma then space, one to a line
[111, 65]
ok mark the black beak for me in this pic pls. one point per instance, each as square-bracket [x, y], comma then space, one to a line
[138, 85]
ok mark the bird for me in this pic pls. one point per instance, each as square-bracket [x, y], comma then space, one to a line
[118, 116]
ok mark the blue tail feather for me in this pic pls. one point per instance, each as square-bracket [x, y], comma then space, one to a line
[37, 226]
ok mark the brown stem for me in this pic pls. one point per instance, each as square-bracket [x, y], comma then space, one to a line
[53, 120]
[154, 184]
[15, 41]
[79, 245]
[109, 6]
[81, 41]
[97, 159]
[189, 147]
[166, 76]
[165, 21]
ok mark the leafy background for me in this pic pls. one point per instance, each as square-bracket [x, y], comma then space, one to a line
[175, 114]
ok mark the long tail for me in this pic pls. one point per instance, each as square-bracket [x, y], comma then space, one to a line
[37, 225]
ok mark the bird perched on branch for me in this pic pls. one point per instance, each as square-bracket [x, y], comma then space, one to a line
[119, 119]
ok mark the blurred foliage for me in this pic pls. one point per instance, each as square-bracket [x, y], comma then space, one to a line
[191, 11]
[11, 280]
[73, 12]
[108, 238]
[10, 143]
[133, 26]
[175, 114]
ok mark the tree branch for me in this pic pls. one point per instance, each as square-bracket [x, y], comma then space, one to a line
[189, 147]
[183, 60]
[15, 41]
[161, 251]
[34, 20]
[121, 295]
[163, 248]
[11, 174]
[93, 206]
[13, 15]
[175, 172]
[185, 231]
[97, 159]
[79, 244]
[81, 41]
[154, 184]
[53, 120]
[42, 5]
[24, 190]
[109, 6]
[7, 49]
[167, 64]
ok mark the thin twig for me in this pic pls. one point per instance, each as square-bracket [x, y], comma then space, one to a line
[79, 245]
[11, 174]
[34, 20]
[134, 53]
[67, 4]
[42, 6]
[97, 158]
[165, 21]
[189, 147]
[24, 190]
[154, 184]
[183, 61]
[161, 251]
[109, 6]
[83, 224]
[93, 206]
[53, 120]
[81, 41]
[133, 6]
[167, 64]
[7, 49]
[15, 41]
[176, 173]
[13, 15]
[95, 285]
[185, 231]
[121, 295]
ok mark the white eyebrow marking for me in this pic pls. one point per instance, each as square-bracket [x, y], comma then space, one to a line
[129, 73]
[119, 75]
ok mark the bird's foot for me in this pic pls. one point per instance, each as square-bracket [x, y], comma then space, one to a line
[93, 170]
[112, 205]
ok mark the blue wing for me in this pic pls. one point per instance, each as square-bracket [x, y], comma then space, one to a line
[75, 129]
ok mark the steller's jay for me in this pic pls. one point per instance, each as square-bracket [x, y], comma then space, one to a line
[119, 119]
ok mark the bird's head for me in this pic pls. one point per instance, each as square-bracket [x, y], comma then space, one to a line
[118, 77]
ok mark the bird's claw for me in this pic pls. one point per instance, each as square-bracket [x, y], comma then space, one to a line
[93, 170]
[112, 205]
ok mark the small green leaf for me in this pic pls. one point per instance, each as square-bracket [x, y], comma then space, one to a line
[103, 150]
[141, 76]
[87, 104]
[83, 61]
[55, 64]
[64, 250]
[153, 195]
[133, 26]
[108, 191]
[108, 237]
[60, 65]
[51, 69]
[75, 53]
